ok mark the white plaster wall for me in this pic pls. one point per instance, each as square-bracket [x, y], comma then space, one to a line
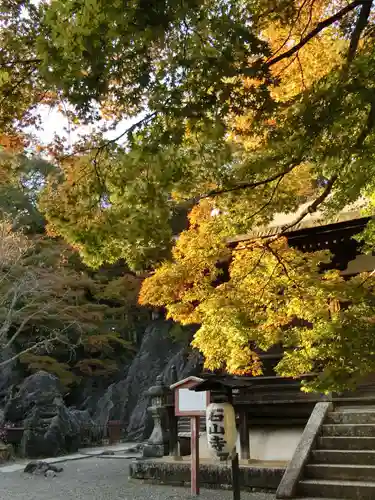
[361, 264]
[274, 443]
[268, 443]
[203, 448]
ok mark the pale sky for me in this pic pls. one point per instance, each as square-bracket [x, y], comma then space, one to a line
[53, 122]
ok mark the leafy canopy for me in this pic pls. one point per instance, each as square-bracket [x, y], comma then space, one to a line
[272, 294]
[245, 108]
[228, 95]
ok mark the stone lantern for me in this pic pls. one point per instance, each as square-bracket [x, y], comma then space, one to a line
[158, 443]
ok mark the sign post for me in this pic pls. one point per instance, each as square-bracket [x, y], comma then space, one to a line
[194, 426]
[191, 404]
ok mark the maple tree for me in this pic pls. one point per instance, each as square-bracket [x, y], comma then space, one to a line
[20, 87]
[225, 110]
[245, 109]
[270, 294]
[55, 313]
[55, 316]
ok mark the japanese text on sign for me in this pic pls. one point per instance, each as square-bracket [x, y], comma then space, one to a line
[216, 429]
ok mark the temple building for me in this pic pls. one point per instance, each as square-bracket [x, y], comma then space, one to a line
[308, 444]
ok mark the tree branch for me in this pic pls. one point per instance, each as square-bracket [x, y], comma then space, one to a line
[8, 320]
[20, 328]
[290, 30]
[313, 207]
[282, 264]
[44, 342]
[249, 185]
[25, 321]
[319, 27]
[25, 62]
[362, 21]
[370, 123]
[268, 282]
[269, 201]
[301, 71]
[130, 129]
[25, 351]
[8, 92]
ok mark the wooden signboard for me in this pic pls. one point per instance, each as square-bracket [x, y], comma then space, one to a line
[191, 404]
[188, 403]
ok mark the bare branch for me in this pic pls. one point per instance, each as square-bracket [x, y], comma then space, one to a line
[269, 201]
[17, 84]
[302, 73]
[268, 282]
[20, 328]
[8, 320]
[257, 263]
[130, 129]
[370, 123]
[58, 338]
[25, 351]
[103, 146]
[308, 23]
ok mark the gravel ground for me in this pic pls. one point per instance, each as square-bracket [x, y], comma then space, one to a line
[99, 479]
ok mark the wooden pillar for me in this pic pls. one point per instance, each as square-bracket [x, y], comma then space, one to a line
[194, 426]
[244, 435]
[236, 477]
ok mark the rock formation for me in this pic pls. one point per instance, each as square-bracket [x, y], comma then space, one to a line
[52, 428]
[158, 353]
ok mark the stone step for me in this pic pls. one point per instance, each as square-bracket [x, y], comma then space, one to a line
[350, 430]
[346, 443]
[354, 490]
[341, 472]
[351, 417]
[366, 404]
[354, 457]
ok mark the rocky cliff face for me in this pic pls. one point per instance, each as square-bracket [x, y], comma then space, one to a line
[158, 355]
[53, 428]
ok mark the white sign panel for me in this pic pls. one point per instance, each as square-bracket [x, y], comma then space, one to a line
[190, 401]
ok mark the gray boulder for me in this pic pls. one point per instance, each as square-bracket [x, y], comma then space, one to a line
[51, 428]
[42, 468]
[38, 389]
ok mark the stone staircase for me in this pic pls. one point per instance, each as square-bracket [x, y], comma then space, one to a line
[342, 463]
